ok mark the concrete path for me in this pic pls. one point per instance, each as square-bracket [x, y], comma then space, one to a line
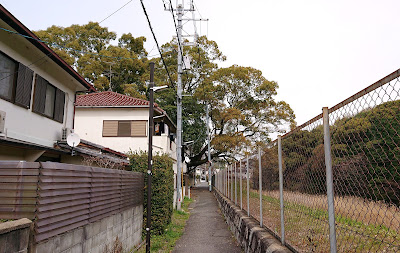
[206, 230]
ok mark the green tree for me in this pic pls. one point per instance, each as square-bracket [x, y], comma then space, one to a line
[87, 48]
[204, 59]
[366, 148]
[243, 109]
[241, 100]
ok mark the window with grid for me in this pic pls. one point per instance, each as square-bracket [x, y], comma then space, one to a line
[124, 128]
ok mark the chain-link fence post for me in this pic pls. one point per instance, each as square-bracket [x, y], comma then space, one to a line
[281, 189]
[232, 184]
[329, 180]
[240, 184]
[226, 181]
[235, 185]
[248, 185]
[228, 189]
[260, 185]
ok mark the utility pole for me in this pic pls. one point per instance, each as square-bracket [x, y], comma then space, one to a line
[150, 156]
[180, 12]
[152, 89]
[179, 113]
[209, 149]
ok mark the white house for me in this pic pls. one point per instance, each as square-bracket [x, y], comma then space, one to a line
[121, 123]
[37, 95]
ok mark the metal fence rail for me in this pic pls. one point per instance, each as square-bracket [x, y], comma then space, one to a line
[61, 197]
[333, 183]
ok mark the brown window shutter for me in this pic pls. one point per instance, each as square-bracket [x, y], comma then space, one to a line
[110, 128]
[124, 128]
[24, 86]
[39, 98]
[59, 106]
[138, 128]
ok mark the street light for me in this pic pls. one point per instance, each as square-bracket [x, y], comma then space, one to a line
[150, 152]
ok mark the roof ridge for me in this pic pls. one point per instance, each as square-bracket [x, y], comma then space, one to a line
[114, 93]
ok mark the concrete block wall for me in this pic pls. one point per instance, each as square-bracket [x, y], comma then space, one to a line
[14, 236]
[97, 236]
[247, 230]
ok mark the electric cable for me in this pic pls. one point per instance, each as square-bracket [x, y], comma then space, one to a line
[155, 39]
[115, 11]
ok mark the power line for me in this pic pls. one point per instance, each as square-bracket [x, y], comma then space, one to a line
[115, 11]
[155, 39]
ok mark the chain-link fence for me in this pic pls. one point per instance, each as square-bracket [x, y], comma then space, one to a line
[332, 183]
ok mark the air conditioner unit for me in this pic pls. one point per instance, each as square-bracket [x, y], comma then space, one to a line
[2, 123]
[65, 132]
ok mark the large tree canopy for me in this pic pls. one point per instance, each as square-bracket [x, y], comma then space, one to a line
[241, 100]
[243, 110]
[89, 50]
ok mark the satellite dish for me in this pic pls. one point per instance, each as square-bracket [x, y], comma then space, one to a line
[73, 140]
[187, 159]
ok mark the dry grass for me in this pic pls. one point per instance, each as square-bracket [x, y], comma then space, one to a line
[366, 211]
[361, 225]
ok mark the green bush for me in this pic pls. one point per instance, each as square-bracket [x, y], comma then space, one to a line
[162, 189]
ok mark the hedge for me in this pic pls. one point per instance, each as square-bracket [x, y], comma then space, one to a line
[162, 189]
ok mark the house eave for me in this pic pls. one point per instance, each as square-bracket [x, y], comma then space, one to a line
[7, 17]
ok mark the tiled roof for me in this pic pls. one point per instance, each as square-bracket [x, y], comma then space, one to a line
[111, 99]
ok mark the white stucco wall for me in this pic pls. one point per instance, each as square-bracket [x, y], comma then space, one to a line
[89, 126]
[21, 123]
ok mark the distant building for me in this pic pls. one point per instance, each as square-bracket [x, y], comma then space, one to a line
[121, 122]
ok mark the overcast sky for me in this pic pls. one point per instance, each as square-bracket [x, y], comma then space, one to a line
[320, 52]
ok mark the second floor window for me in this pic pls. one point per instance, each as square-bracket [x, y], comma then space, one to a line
[48, 100]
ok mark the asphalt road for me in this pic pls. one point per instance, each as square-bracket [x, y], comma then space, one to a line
[206, 230]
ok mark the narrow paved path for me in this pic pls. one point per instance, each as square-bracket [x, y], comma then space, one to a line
[206, 230]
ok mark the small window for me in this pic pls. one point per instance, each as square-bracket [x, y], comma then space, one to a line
[48, 100]
[124, 128]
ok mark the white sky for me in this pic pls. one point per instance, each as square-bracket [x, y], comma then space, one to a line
[320, 52]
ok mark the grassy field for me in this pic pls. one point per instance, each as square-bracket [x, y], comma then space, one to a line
[361, 225]
[166, 242]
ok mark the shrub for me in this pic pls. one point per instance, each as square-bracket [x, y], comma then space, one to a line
[162, 189]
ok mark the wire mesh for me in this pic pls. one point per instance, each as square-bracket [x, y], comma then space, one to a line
[365, 152]
[366, 171]
[304, 185]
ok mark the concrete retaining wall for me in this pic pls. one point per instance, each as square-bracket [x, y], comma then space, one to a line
[247, 230]
[14, 236]
[96, 237]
